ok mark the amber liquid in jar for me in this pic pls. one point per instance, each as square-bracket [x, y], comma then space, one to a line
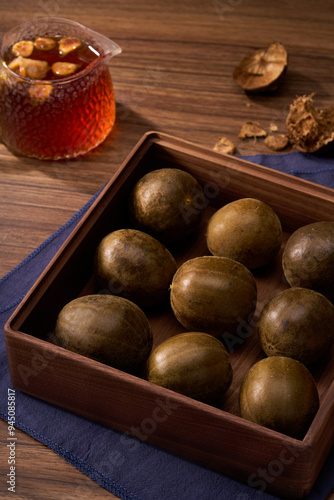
[62, 109]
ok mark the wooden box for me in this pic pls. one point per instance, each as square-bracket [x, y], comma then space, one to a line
[215, 437]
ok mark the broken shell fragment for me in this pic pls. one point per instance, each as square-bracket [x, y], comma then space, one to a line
[276, 142]
[310, 128]
[261, 69]
[224, 145]
[64, 68]
[68, 44]
[251, 129]
[44, 43]
[23, 48]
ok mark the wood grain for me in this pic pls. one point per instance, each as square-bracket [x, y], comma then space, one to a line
[174, 75]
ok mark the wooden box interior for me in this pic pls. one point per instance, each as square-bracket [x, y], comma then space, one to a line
[215, 437]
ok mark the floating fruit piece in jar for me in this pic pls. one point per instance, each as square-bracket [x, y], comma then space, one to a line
[68, 44]
[19, 66]
[37, 69]
[23, 48]
[44, 43]
[31, 68]
[64, 68]
[39, 93]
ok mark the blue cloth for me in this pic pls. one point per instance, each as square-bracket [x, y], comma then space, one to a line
[127, 467]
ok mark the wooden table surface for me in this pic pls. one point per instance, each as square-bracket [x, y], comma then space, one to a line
[174, 75]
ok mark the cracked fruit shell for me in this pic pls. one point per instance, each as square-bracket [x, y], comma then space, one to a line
[261, 69]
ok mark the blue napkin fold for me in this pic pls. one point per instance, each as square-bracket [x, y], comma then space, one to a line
[125, 466]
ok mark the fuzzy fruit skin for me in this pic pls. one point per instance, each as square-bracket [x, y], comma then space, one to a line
[245, 230]
[214, 295]
[297, 323]
[106, 328]
[167, 203]
[279, 393]
[194, 364]
[308, 258]
[134, 265]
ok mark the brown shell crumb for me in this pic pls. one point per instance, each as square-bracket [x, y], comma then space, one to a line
[224, 145]
[276, 142]
[251, 129]
[261, 69]
[309, 128]
[273, 127]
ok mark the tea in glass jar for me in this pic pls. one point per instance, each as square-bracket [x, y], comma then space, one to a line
[56, 91]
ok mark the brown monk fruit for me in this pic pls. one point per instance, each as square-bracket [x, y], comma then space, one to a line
[247, 230]
[167, 203]
[297, 323]
[106, 328]
[279, 393]
[134, 265]
[214, 295]
[308, 258]
[194, 364]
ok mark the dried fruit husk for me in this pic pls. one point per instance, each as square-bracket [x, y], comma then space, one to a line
[309, 128]
[261, 69]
